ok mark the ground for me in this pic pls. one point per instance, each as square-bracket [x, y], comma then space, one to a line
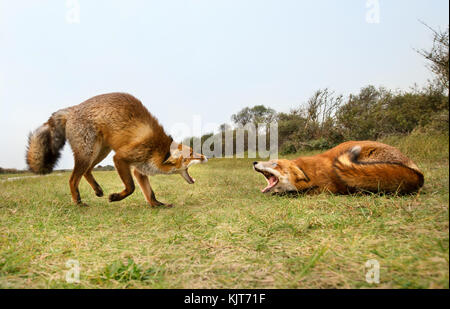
[224, 233]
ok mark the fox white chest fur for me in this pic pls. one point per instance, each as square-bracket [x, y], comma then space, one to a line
[148, 168]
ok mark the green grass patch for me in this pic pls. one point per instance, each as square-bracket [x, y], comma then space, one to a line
[223, 233]
[130, 271]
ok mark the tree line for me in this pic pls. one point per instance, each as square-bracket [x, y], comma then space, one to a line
[327, 118]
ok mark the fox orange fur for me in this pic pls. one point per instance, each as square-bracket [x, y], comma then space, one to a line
[350, 167]
[114, 121]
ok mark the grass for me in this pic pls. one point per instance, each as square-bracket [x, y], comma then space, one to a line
[223, 233]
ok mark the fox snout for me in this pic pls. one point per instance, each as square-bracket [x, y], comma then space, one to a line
[257, 167]
[198, 158]
[262, 166]
[195, 159]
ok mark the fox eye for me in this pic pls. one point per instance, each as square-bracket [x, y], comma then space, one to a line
[167, 156]
[274, 164]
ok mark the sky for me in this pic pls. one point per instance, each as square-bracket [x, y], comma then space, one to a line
[200, 59]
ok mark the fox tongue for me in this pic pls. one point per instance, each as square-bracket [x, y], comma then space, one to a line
[272, 182]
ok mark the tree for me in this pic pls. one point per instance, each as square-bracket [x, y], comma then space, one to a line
[262, 115]
[320, 111]
[243, 117]
[438, 56]
[224, 127]
[256, 115]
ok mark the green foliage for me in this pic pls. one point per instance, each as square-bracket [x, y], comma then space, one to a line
[130, 271]
[288, 147]
[359, 118]
[321, 144]
[379, 112]
[256, 115]
[368, 115]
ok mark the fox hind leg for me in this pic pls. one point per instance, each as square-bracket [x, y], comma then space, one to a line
[376, 176]
[88, 175]
[94, 184]
[79, 169]
[83, 139]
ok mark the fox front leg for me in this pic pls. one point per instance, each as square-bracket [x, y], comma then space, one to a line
[123, 168]
[149, 195]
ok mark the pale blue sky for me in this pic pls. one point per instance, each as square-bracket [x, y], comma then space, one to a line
[206, 57]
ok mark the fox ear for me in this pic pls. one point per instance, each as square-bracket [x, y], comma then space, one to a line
[300, 174]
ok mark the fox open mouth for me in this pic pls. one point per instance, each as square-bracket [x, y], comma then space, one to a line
[272, 180]
[187, 177]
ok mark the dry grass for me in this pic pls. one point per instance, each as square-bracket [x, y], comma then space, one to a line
[223, 233]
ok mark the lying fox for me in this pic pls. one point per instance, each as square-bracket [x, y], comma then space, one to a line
[115, 121]
[347, 168]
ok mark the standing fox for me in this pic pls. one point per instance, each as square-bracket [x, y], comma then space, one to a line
[349, 167]
[115, 121]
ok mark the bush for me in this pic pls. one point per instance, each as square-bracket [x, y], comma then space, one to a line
[321, 144]
[288, 148]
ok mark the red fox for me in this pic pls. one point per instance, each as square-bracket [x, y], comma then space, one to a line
[114, 121]
[347, 168]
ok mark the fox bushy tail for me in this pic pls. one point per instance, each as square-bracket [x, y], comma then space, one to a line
[377, 176]
[46, 142]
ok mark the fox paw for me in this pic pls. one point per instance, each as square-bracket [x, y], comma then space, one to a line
[99, 193]
[114, 197]
[159, 204]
